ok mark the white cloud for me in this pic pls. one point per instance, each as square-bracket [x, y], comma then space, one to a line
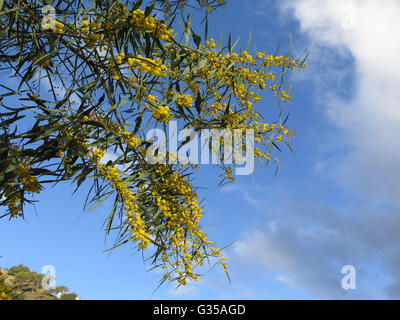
[306, 243]
[368, 122]
[254, 195]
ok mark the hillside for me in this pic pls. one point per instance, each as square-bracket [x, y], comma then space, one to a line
[27, 285]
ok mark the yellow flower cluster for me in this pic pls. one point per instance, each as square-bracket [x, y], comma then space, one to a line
[116, 130]
[185, 100]
[228, 173]
[89, 32]
[23, 179]
[284, 96]
[4, 294]
[147, 65]
[120, 58]
[241, 75]
[58, 27]
[4, 290]
[267, 133]
[158, 29]
[241, 72]
[210, 43]
[171, 192]
[160, 113]
[180, 217]
[110, 173]
[235, 70]
[126, 195]
[93, 31]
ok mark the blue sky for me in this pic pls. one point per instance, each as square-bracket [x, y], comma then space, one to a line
[333, 203]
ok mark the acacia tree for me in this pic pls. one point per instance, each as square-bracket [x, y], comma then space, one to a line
[5, 291]
[86, 79]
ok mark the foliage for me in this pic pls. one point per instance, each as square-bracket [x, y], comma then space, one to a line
[20, 283]
[5, 291]
[59, 289]
[15, 270]
[23, 273]
[113, 69]
[69, 296]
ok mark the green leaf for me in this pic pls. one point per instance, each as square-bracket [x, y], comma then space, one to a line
[27, 76]
[196, 38]
[276, 146]
[236, 42]
[198, 102]
[187, 28]
[206, 28]
[138, 122]
[97, 204]
[137, 5]
[288, 145]
[248, 43]
[201, 64]
[149, 9]
[117, 105]
[10, 10]
[111, 218]
[45, 57]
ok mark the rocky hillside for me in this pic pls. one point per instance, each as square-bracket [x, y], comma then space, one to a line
[27, 285]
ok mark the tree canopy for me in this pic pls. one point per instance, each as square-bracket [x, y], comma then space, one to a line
[84, 80]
